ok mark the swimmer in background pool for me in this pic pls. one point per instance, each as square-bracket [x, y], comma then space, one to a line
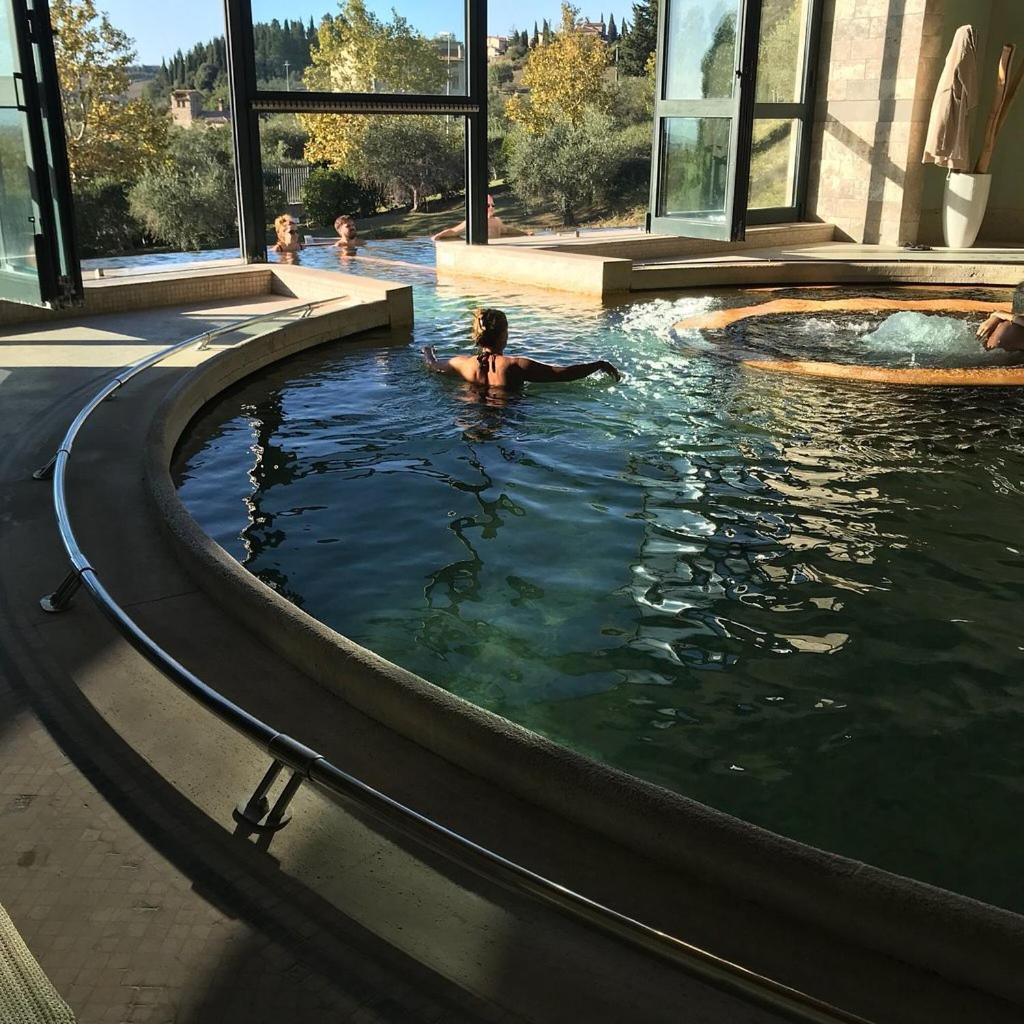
[490, 368]
[1005, 330]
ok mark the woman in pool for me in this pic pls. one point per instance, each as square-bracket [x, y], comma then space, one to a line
[490, 368]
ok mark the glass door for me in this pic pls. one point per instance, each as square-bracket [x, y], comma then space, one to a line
[704, 109]
[38, 263]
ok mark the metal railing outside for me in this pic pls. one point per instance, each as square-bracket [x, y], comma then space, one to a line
[306, 764]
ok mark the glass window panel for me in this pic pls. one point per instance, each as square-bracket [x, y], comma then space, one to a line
[394, 175]
[694, 171]
[773, 163]
[780, 69]
[18, 214]
[366, 47]
[700, 60]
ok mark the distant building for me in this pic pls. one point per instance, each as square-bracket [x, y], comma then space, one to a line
[496, 46]
[453, 55]
[593, 28]
[187, 110]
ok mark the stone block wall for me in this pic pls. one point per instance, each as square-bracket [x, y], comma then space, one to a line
[878, 62]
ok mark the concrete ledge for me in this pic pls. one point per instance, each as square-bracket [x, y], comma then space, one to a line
[788, 273]
[216, 284]
[540, 268]
[963, 940]
[639, 246]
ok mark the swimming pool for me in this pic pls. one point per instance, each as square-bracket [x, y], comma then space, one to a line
[795, 600]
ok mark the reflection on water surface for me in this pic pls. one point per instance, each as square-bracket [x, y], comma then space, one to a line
[797, 600]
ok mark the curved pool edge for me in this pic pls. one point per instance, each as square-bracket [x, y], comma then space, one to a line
[966, 941]
[918, 376]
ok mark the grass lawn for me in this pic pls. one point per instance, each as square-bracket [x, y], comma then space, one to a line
[442, 213]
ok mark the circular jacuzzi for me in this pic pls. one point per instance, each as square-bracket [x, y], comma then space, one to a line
[885, 340]
[791, 599]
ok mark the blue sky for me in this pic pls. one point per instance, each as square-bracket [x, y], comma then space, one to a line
[160, 29]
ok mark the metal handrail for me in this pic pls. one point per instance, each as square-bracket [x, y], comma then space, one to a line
[308, 765]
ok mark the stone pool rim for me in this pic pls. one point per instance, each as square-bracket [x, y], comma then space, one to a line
[950, 934]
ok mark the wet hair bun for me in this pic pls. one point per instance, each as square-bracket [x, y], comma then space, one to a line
[488, 325]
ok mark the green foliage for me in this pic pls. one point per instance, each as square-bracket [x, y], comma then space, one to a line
[282, 139]
[717, 66]
[778, 56]
[107, 135]
[189, 201]
[627, 180]
[329, 192]
[500, 73]
[632, 102]
[410, 158]
[357, 52]
[205, 65]
[274, 199]
[640, 42]
[567, 163]
[103, 219]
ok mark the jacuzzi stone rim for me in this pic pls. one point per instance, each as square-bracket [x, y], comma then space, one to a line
[963, 939]
[916, 376]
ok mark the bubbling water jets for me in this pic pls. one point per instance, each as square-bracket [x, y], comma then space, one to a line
[657, 317]
[917, 335]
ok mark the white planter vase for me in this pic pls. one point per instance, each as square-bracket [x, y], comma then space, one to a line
[963, 208]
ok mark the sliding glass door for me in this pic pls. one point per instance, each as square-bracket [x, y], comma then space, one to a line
[38, 263]
[704, 107]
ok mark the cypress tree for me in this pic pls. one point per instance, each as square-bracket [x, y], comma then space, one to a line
[545, 33]
[613, 32]
[642, 40]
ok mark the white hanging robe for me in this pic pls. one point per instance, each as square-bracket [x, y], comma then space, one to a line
[948, 143]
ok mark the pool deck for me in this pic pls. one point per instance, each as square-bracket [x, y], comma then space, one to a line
[118, 864]
[785, 255]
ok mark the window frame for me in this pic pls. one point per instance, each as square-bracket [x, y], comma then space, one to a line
[248, 101]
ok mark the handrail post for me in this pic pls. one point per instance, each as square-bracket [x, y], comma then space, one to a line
[256, 814]
[45, 472]
[60, 599]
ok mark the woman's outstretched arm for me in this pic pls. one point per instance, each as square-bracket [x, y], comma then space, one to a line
[545, 373]
[435, 364]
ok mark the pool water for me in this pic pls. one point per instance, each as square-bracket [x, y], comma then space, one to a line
[797, 600]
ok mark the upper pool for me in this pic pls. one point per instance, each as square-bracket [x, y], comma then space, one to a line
[797, 600]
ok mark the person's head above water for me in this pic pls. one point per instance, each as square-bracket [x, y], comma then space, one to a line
[346, 227]
[490, 329]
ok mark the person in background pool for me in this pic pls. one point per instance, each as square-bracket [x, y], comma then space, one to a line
[491, 368]
[1006, 330]
[286, 228]
[496, 227]
[348, 234]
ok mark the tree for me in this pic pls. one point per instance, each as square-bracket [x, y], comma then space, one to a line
[567, 162]
[613, 32]
[410, 158]
[328, 192]
[637, 47]
[188, 202]
[545, 33]
[107, 135]
[563, 78]
[535, 38]
[500, 73]
[206, 76]
[357, 52]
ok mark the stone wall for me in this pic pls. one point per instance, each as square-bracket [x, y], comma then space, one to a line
[879, 60]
